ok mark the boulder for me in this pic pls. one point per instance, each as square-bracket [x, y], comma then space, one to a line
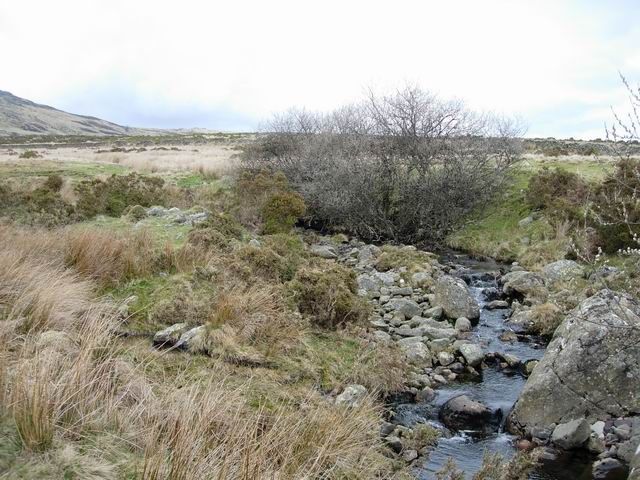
[463, 413]
[407, 307]
[496, 304]
[323, 251]
[169, 336]
[434, 312]
[446, 358]
[369, 285]
[352, 396]
[421, 279]
[472, 353]
[562, 270]
[453, 295]
[193, 340]
[608, 468]
[415, 351]
[590, 369]
[572, 434]
[523, 284]
[463, 324]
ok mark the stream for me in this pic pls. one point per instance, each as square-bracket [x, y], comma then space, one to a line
[496, 388]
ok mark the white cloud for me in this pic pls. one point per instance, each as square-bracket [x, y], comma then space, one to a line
[150, 59]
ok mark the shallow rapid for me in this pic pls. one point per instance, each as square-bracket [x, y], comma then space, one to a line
[498, 389]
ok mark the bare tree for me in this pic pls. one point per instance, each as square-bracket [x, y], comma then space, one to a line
[406, 166]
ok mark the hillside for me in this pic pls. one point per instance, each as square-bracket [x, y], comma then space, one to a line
[23, 117]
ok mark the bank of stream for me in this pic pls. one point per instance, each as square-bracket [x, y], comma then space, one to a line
[496, 387]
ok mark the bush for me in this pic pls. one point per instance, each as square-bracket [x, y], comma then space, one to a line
[560, 193]
[327, 294]
[217, 232]
[281, 211]
[616, 210]
[113, 195]
[382, 170]
[29, 154]
[54, 183]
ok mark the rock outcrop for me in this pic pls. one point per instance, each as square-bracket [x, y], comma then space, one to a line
[453, 295]
[591, 368]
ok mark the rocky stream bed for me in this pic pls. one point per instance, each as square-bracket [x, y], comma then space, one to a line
[478, 375]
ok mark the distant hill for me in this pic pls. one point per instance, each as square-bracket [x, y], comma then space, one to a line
[23, 117]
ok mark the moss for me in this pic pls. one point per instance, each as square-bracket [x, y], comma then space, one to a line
[407, 257]
[327, 293]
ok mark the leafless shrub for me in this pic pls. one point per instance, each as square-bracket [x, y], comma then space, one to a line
[407, 166]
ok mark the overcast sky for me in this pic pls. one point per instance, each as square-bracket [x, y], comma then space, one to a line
[227, 65]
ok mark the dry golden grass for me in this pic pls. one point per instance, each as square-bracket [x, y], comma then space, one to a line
[211, 159]
[66, 382]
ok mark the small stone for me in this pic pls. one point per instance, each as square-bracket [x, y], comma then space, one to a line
[445, 358]
[394, 443]
[511, 360]
[472, 354]
[323, 251]
[434, 312]
[352, 396]
[496, 304]
[409, 455]
[382, 337]
[426, 395]
[572, 434]
[463, 324]
[170, 335]
[386, 429]
[598, 428]
[608, 468]
[440, 379]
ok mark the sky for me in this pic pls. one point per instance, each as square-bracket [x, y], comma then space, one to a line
[229, 65]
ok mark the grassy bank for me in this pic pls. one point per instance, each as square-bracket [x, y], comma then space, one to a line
[509, 229]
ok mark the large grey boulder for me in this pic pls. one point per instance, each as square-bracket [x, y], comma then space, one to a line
[455, 299]
[523, 283]
[572, 434]
[590, 369]
[463, 413]
[562, 270]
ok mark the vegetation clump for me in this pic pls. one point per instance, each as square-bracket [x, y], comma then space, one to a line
[562, 194]
[328, 293]
[113, 195]
[281, 211]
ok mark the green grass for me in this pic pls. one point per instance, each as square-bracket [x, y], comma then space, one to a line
[74, 170]
[163, 229]
[494, 231]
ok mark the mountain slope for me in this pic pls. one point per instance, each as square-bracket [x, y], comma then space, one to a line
[23, 117]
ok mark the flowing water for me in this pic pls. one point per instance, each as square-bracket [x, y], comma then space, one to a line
[495, 388]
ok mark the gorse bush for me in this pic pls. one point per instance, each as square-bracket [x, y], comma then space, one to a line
[328, 294]
[616, 207]
[281, 211]
[561, 193]
[266, 201]
[113, 195]
[405, 167]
